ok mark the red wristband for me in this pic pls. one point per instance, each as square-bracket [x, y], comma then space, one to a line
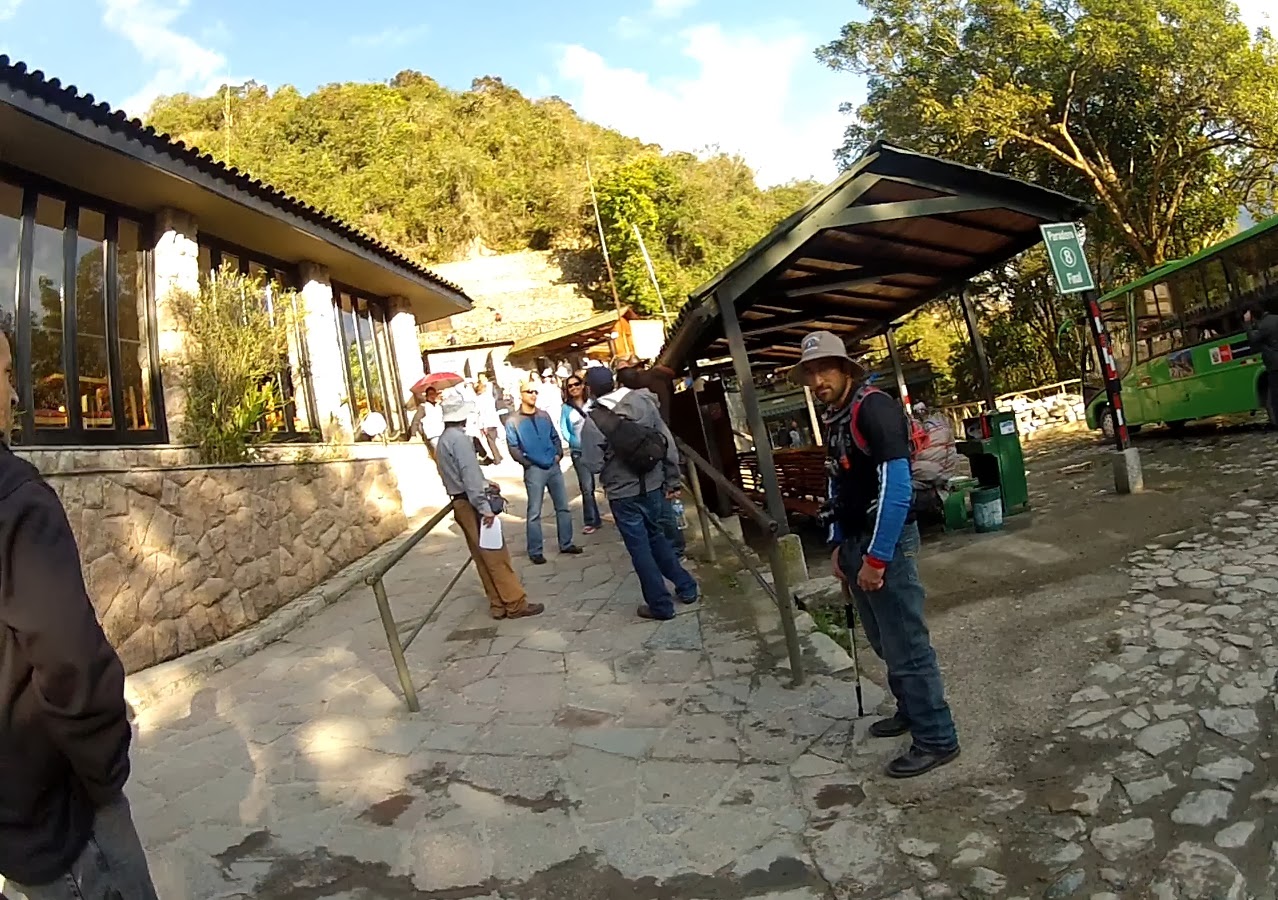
[875, 563]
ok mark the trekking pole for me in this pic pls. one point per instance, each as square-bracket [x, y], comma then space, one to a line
[849, 613]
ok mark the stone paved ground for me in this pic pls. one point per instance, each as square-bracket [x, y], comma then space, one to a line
[586, 754]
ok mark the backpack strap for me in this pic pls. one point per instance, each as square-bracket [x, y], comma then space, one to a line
[858, 438]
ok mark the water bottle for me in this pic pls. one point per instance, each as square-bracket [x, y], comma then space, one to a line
[680, 518]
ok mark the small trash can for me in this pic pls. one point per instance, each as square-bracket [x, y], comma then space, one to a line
[987, 509]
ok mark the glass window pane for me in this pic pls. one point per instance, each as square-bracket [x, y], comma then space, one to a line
[47, 267]
[394, 414]
[94, 382]
[296, 372]
[1114, 315]
[136, 363]
[230, 260]
[377, 398]
[359, 402]
[206, 261]
[10, 234]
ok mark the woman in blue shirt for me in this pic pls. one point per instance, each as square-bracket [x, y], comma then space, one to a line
[571, 418]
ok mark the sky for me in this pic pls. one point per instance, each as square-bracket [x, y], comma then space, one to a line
[737, 75]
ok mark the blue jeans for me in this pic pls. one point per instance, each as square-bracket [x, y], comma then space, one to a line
[893, 621]
[586, 481]
[111, 866]
[536, 482]
[639, 521]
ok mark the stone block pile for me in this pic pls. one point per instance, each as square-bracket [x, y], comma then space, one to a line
[1053, 410]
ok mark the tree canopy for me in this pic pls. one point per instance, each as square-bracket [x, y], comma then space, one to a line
[435, 171]
[1162, 113]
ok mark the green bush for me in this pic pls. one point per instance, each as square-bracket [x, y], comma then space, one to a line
[235, 344]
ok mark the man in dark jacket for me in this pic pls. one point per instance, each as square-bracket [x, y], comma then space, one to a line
[638, 499]
[65, 827]
[1262, 334]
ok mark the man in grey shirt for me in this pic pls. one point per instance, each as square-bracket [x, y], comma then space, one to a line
[472, 504]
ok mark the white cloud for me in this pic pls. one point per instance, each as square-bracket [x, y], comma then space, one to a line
[1256, 14]
[180, 63]
[742, 99]
[670, 9]
[394, 36]
[9, 9]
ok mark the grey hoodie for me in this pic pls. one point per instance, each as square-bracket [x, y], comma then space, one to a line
[617, 480]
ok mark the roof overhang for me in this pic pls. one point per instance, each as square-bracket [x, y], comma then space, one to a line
[893, 232]
[53, 133]
[584, 333]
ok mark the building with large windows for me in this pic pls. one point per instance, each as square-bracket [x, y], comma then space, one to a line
[101, 218]
[103, 224]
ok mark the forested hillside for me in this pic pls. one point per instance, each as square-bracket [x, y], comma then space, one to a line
[434, 171]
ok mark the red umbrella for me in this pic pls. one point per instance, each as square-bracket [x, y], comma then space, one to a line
[440, 381]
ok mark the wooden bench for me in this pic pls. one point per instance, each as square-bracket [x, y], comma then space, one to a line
[800, 476]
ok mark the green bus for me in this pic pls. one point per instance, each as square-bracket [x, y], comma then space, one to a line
[1178, 339]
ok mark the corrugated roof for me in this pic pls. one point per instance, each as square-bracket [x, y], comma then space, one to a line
[34, 84]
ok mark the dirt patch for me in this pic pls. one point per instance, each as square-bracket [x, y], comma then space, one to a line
[387, 812]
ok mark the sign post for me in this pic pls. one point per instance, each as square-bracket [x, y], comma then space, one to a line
[1064, 243]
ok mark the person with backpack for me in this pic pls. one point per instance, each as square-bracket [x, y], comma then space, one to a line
[625, 442]
[869, 442]
[633, 378]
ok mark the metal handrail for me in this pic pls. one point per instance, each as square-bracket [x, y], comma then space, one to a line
[779, 588]
[397, 644]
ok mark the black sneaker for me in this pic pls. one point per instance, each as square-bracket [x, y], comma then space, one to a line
[889, 728]
[917, 762]
[538, 560]
[691, 600]
[572, 550]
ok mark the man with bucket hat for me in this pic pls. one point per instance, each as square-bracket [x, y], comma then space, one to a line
[876, 545]
[475, 501]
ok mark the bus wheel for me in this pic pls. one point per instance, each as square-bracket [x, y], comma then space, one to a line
[1178, 427]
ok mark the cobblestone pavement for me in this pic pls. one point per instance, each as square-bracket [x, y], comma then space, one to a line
[586, 754]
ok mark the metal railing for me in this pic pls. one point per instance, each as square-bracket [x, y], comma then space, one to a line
[779, 587]
[400, 635]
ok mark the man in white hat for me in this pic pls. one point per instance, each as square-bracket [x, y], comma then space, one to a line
[473, 500]
[876, 545]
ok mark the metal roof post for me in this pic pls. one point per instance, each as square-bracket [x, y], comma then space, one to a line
[754, 417]
[902, 389]
[978, 347]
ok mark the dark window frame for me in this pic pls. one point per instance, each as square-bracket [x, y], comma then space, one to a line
[377, 308]
[219, 248]
[75, 434]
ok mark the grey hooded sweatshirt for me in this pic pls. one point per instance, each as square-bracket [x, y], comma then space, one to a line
[618, 480]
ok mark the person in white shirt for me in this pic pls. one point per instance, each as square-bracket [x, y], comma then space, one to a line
[428, 420]
[486, 416]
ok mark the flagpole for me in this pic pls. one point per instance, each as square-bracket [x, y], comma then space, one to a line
[603, 243]
[652, 273]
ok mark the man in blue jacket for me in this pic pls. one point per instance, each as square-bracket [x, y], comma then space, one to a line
[534, 442]
[877, 544]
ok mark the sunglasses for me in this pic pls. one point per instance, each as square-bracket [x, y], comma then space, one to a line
[574, 384]
[527, 391]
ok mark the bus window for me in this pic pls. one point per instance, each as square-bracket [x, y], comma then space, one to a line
[1211, 315]
[1157, 328]
[1114, 315]
[1247, 264]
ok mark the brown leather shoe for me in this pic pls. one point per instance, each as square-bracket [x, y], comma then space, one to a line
[530, 609]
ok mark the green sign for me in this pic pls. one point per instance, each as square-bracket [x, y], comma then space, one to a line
[1069, 265]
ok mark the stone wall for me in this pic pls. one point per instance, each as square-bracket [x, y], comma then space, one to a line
[178, 558]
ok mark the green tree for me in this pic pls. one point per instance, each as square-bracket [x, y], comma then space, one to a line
[1164, 112]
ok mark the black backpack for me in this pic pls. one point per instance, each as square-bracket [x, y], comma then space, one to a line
[640, 449]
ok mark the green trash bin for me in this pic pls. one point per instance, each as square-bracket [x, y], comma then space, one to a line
[993, 449]
[987, 510]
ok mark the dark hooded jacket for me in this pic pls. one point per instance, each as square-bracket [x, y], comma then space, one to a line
[64, 729]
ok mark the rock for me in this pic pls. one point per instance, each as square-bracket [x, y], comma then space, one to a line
[1090, 718]
[1234, 723]
[1133, 721]
[917, 848]
[987, 882]
[1170, 710]
[1194, 575]
[1228, 770]
[974, 849]
[1241, 640]
[1203, 807]
[1169, 640]
[1109, 672]
[1147, 789]
[1114, 878]
[1158, 739]
[1114, 842]
[1093, 694]
[1225, 610]
[1093, 790]
[1197, 873]
[1242, 696]
[1229, 655]
[1236, 835]
[1067, 885]
[938, 890]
